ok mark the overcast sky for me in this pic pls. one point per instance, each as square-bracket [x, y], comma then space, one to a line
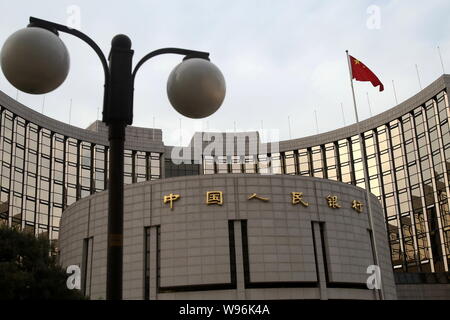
[280, 58]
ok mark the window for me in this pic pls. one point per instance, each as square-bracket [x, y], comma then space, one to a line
[289, 161]
[317, 161]
[236, 162]
[303, 160]
[208, 165]
[276, 163]
[140, 169]
[155, 166]
[263, 164]
[128, 167]
[99, 168]
[330, 157]
[222, 164]
[250, 164]
[180, 170]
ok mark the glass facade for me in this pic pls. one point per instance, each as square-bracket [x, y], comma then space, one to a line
[408, 165]
[42, 172]
[407, 160]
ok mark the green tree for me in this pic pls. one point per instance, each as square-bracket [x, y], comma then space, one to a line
[29, 270]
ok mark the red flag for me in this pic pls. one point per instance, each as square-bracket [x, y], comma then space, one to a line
[361, 73]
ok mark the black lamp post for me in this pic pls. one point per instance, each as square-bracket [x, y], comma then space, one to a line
[36, 61]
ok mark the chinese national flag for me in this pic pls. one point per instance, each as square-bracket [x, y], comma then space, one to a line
[361, 73]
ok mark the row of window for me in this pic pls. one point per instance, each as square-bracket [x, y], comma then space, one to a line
[42, 172]
[407, 161]
[408, 166]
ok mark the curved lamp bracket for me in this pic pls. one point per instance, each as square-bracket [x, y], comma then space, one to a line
[35, 22]
[55, 27]
[187, 53]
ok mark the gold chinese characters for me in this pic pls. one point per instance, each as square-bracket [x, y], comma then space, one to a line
[297, 197]
[332, 202]
[216, 197]
[357, 206]
[171, 198]
[255, 196]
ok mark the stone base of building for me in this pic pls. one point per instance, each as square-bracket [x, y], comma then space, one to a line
[423, 286]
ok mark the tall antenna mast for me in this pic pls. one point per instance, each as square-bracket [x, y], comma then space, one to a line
[368, 102]
[70, 110]
[343, 116]
[440, 57]
[418, 77]
[317, 122]
[395, 92]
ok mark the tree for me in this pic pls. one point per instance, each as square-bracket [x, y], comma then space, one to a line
[29, 270]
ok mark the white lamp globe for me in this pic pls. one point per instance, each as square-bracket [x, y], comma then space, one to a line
[196, 88]
[35, 60]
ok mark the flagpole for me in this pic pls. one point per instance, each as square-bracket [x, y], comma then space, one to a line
[395, 92]
[181, 134]
[70, 110]
[43, 104]
[368, 102]
[418, 77]
[342, 109]
[366, 176]
[440, 57]
[98, 113]
[153, 127]
[289, 126]
[317, 122]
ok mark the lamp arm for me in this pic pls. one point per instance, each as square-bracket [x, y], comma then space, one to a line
[185, 52]
[35, 22]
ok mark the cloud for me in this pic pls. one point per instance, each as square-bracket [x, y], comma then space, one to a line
[280, 58]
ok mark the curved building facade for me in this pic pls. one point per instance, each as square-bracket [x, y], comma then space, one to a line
[47, 165]
[233, 237]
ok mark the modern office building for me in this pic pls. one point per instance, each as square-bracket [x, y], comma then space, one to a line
[234, 236]
[47, 165]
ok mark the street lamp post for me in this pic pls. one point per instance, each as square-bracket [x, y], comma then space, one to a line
[36, 61]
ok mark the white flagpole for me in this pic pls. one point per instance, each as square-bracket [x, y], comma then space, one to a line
[153, 131]
[181, 134]
[342, 109]
[366, 175]
[263, 136]
[289, 127]
[395, 92]
[70, 110]
[43, 104]
[317, 122]
[98, 117]
[440, 57]
[368, 102]
[418, 77]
